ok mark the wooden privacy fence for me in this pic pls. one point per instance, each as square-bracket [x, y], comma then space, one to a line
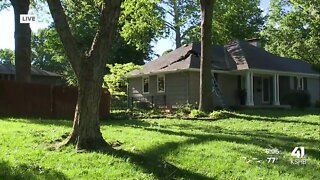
[19, 99]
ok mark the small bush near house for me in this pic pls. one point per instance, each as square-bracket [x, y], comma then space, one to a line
[220, 114]
[121, 114]
[142, 105]
[299, 99]
[184, 110]
[197, 113]
[119, 102]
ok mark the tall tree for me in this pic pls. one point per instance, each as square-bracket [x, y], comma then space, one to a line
[22, 36]
[293, 29]
[181, 17]
[89, 69]
[206, 101]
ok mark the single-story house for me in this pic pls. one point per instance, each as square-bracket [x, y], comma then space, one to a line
[241, 66]
[38, 76]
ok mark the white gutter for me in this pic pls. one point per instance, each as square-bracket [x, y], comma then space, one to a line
[257, 71]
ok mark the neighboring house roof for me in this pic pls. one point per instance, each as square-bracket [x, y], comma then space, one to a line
[238, 55]
[10, 69]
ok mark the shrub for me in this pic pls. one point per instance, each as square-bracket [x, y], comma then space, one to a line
[184, 110]
[298, 98]
[119, 102]
[219, 114]
[142, 105]
[121, 114]
[197, 113]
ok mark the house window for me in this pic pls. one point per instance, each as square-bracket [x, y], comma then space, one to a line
[145, 84]
[161, 81]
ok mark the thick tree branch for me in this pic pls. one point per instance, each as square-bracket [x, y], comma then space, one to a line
[170, 25]
[101, 45]
[67, 38]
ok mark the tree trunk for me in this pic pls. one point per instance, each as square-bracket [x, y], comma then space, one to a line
[86, 128]
[89, 68]
[178, 37]
[206, 101]
[22, 36]
[176, 23]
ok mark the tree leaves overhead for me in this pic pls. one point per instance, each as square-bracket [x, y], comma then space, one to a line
[6, 56]
[141, 21]
[118, 77]
[48, 54]
[144, 20]
[232, 19]
[293, 29]
[182, 16]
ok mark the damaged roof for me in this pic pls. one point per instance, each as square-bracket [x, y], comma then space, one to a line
[11, 69]
[239, 55]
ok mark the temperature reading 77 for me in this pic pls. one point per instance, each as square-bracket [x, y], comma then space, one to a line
[271, 159]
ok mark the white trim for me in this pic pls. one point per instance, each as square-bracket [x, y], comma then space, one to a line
[148, 77]
[283, 73]
[276, 100]
[164, 83]
[260, 71]
[249, 89]
[183, 70]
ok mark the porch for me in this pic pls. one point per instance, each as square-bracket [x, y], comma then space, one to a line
[269, 90]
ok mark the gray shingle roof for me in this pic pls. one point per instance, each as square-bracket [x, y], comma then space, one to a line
[238, 55]
[10, 69]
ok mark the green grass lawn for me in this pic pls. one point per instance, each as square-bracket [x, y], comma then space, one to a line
[167, 149]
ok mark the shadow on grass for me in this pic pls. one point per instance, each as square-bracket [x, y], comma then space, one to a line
[45, 122]
[155, 165]
[280, 113]
[280, 141]
[258, 138]
[260, 117]
[25, 171]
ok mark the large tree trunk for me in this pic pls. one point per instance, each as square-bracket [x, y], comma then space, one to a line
[86, 128]
[22, 36]
[89, 68]
[206, 101]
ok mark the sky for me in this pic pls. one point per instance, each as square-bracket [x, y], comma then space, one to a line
[7, 30]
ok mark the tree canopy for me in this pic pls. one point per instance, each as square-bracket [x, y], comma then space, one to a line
[293, 29]
[48, 52]
[232, 19]
[6, 56]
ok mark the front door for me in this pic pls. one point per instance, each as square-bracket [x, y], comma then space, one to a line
[265, 90]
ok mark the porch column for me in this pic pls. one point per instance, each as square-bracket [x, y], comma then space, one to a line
[276, 90]
[249, 89]
[300, 85]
